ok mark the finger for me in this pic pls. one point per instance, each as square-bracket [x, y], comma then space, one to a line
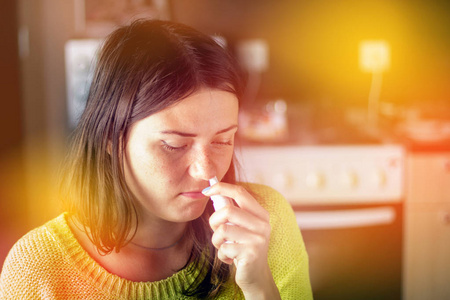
[240, 218]
[235, 234]
[224, 258]
[219, 237]
[239, 254]
[228, 252]
[241, 196]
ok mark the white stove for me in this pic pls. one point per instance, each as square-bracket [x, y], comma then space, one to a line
[348, 201]
[310, 175]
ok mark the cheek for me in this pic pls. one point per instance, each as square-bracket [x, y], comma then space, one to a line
[223, 161]
[141, 166]
[151, 177]
[166, 170]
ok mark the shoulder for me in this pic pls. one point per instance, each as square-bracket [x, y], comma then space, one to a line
[268, 197]
[32, 241]
[31, 255]
[282, 216]
[288, 259]
[260, 188]
[280, 210]
[41, 236]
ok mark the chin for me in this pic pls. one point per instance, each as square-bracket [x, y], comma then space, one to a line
[192, 212]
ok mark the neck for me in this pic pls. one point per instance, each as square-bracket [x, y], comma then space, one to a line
[158, 248]
[142, 264]
[158, 234]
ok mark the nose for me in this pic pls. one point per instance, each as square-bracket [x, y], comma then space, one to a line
[202, 166]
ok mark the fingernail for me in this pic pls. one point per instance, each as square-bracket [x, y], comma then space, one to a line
[206, 190]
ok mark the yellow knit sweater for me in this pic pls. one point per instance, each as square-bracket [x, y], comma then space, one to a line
[49, 263]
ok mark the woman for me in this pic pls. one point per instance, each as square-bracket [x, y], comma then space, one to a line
[160, 122]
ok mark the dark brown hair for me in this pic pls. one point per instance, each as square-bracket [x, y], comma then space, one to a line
[141, 69]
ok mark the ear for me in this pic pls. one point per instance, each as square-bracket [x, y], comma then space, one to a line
[109, 147]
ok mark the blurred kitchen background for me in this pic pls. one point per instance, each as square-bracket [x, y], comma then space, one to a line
[347, 115]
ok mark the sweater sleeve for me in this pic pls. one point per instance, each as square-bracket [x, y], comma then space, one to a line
[288, 259]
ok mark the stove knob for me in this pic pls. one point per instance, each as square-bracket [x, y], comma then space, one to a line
[445, 217]
[259, 178]
[282, 181]
[315, 180]
[350, 179]
[379, 178]
[447, 166]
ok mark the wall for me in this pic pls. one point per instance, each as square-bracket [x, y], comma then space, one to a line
[314, 44]
[33, 125]
[11, 130]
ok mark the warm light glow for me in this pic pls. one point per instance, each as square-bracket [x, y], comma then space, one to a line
[374, 56]
[323, 58]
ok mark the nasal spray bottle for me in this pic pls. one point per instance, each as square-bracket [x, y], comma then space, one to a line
[219, 201]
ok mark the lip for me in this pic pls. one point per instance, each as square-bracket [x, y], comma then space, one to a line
[193, 194]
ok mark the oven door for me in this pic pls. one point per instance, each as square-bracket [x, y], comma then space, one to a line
[354, 252]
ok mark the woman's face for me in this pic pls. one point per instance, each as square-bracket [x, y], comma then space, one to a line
[171, 155]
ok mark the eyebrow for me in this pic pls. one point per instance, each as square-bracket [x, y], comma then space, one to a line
[186, 134]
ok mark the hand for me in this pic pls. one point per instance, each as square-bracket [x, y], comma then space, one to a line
[249, 234]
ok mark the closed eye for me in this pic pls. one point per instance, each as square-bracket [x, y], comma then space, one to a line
[224, 143]
[172, 148]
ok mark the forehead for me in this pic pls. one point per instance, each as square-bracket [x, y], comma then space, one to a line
[203, 111]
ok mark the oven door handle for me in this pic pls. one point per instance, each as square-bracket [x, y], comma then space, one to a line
[348, 218]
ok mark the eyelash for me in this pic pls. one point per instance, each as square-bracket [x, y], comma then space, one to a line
[227, 143]
[171, 148]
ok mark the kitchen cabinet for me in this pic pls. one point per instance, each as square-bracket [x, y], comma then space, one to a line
[427, 227]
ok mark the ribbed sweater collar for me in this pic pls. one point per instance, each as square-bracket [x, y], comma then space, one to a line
[109, 283]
